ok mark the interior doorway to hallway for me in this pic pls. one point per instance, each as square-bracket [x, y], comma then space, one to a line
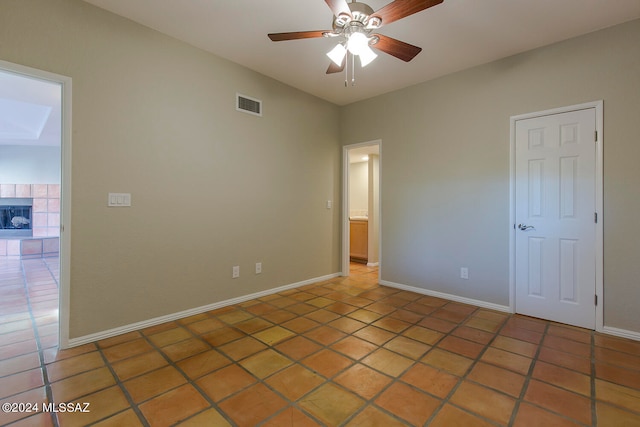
[361, 241]
[34, 184]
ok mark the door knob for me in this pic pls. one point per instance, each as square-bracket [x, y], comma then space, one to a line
[525, 227]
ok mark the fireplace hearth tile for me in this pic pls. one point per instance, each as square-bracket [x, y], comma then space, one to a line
[39, 205]
[51, 245]
[53, 205]
[13, 247]
[53, 191]
[39, 190]
[31, 247]
[23, 190]
[7, 190]
[39, 219]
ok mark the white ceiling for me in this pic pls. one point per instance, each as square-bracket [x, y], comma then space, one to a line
[30, 111]
[361, 154]
[454, 35]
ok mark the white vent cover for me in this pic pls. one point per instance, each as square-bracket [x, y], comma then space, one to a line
[249, 105]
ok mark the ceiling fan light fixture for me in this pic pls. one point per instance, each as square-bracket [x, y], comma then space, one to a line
[357, 42]
[353, 23]
[337, 54]
[366, 56]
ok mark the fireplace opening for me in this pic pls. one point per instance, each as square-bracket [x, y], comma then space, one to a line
[15, 217]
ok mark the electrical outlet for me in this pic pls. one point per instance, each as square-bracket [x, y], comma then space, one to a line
[464, 273]
[236, 272]
[258, 267]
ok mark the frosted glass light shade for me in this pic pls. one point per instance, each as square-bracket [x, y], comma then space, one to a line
[357, 43]
[366, 56]
[337, 54]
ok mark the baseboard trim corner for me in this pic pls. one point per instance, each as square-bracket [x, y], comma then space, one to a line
[622, 333]
[456, 298]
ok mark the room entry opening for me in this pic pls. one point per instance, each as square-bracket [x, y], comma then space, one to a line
[361, 205]
[34, 181]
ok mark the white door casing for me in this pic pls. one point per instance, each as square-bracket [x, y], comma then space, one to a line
[556, 203]
[345, 204]
[65, 191]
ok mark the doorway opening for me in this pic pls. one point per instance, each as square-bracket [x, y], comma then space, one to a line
[361, 219]
[34, 187]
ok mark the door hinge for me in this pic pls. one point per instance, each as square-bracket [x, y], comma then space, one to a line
[595, 217]
[596, 136]
[595, 299]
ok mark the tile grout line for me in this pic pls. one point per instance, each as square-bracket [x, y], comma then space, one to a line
[527, 378]
[132, 405]
[193, 383]
[171, 363]
[36, 333]
[395, 379]
[462, 378]
[322, 346]
[326, 380]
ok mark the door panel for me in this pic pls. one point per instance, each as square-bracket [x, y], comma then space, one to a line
[554, 211]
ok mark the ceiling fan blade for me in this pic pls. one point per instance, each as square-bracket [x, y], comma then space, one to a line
[399, 9]
[339, 7]
[296, 35]
[333, 68]
[400, 50]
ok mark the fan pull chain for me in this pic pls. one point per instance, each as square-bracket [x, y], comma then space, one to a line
[346, 70]
[353, 70]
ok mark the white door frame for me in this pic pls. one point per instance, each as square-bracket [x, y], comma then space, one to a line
[345, 204]
[65, 189]
[598, 106]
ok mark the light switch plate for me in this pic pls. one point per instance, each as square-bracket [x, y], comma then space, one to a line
[119, 199]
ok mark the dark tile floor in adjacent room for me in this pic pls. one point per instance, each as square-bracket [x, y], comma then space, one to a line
[344, 352]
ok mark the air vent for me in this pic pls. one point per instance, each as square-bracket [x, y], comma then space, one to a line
[248, 105]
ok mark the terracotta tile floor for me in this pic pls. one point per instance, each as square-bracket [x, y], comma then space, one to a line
[343, 352]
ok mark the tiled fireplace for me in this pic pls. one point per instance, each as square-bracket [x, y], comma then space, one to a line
[15, 217]
[29, 231]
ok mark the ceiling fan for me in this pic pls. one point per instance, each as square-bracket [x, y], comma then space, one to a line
[355, 25]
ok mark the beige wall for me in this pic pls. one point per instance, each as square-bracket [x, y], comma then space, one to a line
[155, 117]
[211, 187]
[445, 177]
[358, 188]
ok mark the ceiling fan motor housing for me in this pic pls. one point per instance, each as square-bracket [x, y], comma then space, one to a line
[360, 17]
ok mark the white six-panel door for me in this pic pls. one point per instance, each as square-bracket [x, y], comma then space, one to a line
[555, 223]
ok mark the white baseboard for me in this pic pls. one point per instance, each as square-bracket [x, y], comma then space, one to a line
[464, 300]
[74, 342]
[372, 264]
[623, 333]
